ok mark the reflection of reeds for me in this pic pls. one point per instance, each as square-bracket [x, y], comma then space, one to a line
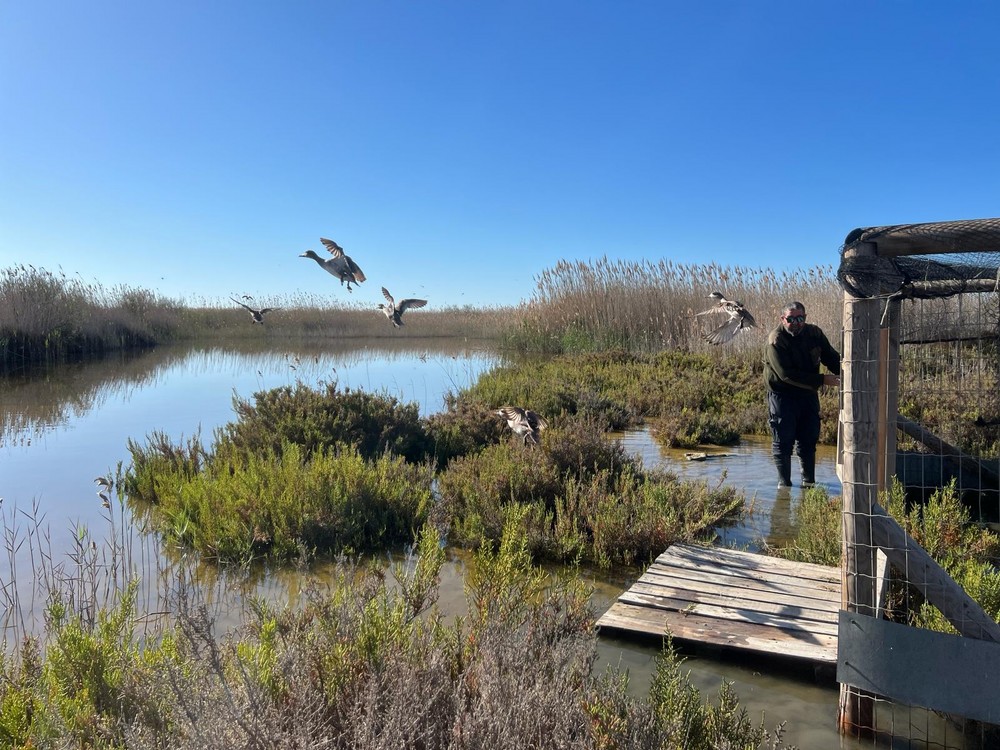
[44, 398]
[647, 306]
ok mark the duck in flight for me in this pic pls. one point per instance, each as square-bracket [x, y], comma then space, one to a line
[257, 314]
[394, 312]
[739, 319]
[340, 265]
[525, 423]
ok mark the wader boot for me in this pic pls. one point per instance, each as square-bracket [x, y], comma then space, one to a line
[784, 466]
[808, 464]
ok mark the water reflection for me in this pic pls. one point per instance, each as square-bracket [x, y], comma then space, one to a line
[750, 467]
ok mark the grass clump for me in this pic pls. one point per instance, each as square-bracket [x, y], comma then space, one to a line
[279, 504]
[578, 497]
[318, 418]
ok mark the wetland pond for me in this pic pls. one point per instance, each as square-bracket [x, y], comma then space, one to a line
[61, 428]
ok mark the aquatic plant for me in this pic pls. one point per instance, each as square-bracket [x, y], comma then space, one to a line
[582, 499]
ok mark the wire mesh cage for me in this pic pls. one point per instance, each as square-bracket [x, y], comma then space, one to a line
[920, 468]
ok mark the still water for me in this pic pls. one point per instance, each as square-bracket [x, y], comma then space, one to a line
[62, 428]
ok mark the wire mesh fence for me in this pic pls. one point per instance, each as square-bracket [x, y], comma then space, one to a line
[919, 447]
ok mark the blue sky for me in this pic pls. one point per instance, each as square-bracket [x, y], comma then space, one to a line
[458, 149]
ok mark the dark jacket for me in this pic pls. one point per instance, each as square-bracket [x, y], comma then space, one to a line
[791, 363]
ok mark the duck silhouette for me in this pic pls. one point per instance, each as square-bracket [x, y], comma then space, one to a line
[739, 319]
[394, 312]
[257, 314]
[340, 265]
[525, 423]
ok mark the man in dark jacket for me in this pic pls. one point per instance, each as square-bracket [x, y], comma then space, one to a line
[795, 350]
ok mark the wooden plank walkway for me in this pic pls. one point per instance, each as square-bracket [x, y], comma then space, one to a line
[739, 600]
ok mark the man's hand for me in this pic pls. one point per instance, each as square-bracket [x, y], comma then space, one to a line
[829, 379]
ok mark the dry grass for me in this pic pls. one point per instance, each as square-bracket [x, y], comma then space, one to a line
[647, 306]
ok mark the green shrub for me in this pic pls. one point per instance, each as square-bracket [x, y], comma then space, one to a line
[323, 417]
[818, 530]
[464, 426]
[279, 504]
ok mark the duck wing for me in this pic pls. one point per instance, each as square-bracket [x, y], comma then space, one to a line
[392, 302]
[714, 309]
[359, 275]
[335, 250]
[725, 333]
[406, 304]
[242, 305]
[536, 420]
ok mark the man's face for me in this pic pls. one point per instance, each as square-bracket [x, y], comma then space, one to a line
[793, 320]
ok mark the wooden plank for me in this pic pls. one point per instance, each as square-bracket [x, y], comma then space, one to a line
[736, 599]
[692, 577]
[940, 447]
[805, 609]
[763, 617]
[774, 641]
[728, 559]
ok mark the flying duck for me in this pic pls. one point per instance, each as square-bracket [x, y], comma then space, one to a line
[256, 314]
[739, 318]
[525, 423]
[395, 312]
[340, 265]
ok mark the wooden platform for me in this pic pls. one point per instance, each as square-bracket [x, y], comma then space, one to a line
[739, 600]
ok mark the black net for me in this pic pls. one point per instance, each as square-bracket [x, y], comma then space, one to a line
[926, 261]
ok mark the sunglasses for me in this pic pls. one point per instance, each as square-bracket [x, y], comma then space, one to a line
[795, 318]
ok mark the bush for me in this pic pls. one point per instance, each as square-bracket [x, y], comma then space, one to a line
[321, 418]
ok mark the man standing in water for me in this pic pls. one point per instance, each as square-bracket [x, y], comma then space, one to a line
[795, 350]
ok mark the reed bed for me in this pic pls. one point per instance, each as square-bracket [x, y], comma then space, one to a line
[647, 306]
[51, 317]
[47, 316]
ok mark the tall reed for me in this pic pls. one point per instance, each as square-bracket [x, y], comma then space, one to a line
[52, 317]
[648, 306]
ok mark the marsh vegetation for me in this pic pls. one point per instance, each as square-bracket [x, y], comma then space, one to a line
[333, 472]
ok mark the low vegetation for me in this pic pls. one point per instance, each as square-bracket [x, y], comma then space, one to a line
[367, 661]
[329, 471]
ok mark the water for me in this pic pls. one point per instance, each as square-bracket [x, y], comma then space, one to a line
[62, 428]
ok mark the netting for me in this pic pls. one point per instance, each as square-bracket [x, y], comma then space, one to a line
[920, 468]
[929, 260]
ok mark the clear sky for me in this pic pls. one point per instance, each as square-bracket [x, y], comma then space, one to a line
[458, 149]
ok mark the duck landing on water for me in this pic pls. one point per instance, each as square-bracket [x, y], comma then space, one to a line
[395, 312]
[525, 423]
[739, 319]
[257, 314]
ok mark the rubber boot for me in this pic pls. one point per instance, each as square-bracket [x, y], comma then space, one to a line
[784, 466]
[808, 464]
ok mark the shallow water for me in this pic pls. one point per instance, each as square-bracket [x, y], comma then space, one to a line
[61, 428]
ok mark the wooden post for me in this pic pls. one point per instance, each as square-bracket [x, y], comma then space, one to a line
[862, 468]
